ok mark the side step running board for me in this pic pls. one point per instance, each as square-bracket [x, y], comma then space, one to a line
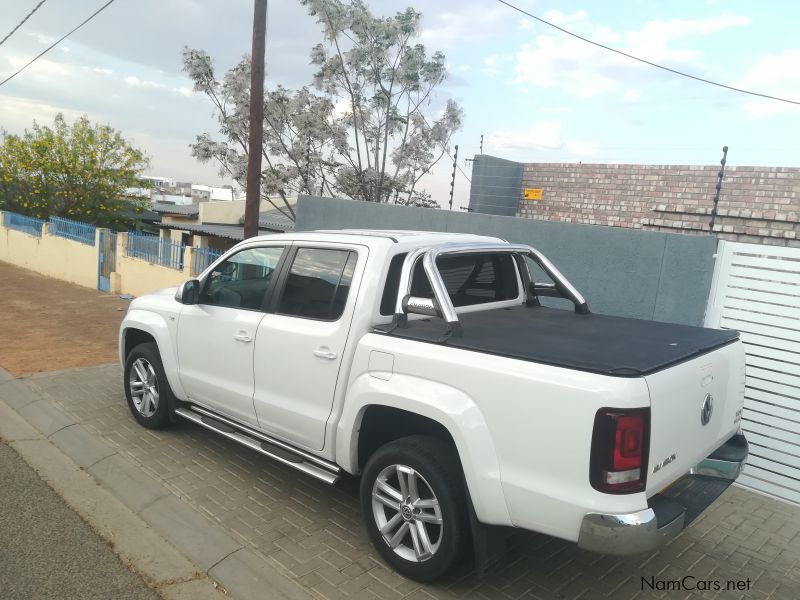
[276, 450]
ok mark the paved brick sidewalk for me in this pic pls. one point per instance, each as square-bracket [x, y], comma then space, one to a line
[313, 533]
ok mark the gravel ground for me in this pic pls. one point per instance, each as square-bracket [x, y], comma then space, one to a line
[47, 551]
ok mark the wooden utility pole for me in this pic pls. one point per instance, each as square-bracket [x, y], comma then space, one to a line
[256, 139]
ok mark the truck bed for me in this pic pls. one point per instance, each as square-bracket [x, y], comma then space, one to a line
[615, 346]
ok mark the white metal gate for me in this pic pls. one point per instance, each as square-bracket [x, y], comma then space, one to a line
[756, 289]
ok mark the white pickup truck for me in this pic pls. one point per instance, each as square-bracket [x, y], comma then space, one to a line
[427, 364]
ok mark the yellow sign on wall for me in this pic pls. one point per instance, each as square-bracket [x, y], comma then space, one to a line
[532, 194]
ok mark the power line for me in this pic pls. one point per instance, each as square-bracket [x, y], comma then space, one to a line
[462, 171]
[647, 62]
[21, 23]
[65, 36]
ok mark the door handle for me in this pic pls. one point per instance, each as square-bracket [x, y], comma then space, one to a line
[325, 352]
[243, 337]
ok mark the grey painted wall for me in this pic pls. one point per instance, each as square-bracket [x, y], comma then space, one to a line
[496, 186]
[625, 272]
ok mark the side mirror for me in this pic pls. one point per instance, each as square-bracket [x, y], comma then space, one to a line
[188, 292]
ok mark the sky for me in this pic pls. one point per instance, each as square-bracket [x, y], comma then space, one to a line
[534, 93]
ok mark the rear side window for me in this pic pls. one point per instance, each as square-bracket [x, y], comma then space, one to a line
[469, 279]
[318, 283]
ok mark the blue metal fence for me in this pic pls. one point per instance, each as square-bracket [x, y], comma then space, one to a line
[22, 223]
[154, 249]
[202, 258]
[72, 230]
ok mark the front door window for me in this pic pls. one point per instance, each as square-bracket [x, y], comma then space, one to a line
[241, 280]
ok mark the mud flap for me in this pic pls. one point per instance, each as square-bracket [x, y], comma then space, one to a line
[488, 542]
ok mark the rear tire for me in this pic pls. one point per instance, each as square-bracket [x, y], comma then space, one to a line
[414, 506]
[146, 387]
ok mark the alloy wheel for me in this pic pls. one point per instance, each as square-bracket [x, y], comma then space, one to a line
[143, 385]
[407, 513]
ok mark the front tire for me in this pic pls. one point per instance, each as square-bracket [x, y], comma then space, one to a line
[414, 506]
[146, 387]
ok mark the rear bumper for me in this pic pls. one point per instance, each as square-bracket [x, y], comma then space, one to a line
[669, 512]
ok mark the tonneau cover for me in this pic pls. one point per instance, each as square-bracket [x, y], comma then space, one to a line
[616, 346]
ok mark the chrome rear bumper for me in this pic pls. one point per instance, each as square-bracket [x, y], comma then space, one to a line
[667, 513]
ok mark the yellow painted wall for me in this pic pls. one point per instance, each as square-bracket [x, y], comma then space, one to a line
[230, 212]
[72, 261]
[221, 212]
[50, 255]
[178, 220]
[137, 277]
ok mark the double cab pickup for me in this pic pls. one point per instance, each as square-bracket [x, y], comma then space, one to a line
[464, 379]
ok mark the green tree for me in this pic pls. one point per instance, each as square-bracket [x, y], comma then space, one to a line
[80, 171]
[368, 132]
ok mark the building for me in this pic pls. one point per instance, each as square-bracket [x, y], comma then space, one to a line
[163, 190]
[158, 182]
[164, 198]
[217, 224]
[207, 193]
[756, 204]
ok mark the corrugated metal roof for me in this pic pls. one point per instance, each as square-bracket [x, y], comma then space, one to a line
[273, 220]
[232, 232]
[176, 209]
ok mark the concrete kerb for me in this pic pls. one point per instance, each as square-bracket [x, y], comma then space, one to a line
[127, 482]
[5, 376]
[190, 531]
[81, 446]
[254, 581]
[138, 546]
[158, 535]
[15, 393]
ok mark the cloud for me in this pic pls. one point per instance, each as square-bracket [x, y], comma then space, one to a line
[582, 70]
[631, 96]
[559, 18]
[555, 109]
[494, 62]
[44, 40]
[653, 41]
[543, 135]
[562, 63]
[134, 81]
[41, 70]
[776, 75]
[466, 24]
[582, 147]
[100, 70]
[20, 113]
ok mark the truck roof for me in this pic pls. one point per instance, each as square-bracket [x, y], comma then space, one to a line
[380, 237]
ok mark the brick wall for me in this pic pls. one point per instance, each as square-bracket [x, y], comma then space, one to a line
[757, 204]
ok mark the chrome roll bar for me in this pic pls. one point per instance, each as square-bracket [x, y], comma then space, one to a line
[443, 306]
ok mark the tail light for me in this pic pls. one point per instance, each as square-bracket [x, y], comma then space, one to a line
[620, 442]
